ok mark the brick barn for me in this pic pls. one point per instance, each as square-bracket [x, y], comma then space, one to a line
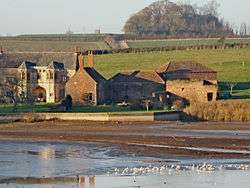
[87, 86]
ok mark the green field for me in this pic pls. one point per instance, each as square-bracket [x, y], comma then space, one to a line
[228, 63]
[182, 42]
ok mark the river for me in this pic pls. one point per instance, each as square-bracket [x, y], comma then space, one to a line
[105, 165]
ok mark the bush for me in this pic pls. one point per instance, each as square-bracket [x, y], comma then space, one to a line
[231, 110]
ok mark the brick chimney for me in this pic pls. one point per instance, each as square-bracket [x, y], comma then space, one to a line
[91, 59]
[81, 62]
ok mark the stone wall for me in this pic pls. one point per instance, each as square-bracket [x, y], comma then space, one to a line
[134, 91]
[123, 117]
[192, 90]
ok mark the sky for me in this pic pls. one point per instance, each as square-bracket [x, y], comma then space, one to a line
[84, 16]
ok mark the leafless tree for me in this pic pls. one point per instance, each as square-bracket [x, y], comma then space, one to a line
[11, 91]
[243, 29]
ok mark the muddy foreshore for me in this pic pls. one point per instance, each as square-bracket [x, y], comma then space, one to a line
[152, 138]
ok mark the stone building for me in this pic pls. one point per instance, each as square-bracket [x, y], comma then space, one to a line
[136, 85]
[87, 86]
[189, 82]
[40, 76]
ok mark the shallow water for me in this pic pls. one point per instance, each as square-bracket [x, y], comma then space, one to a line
[115, 166]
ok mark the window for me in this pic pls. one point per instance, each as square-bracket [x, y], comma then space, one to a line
[88, 97]
[22, 75]
[38, 76]
[28, 76]
[11, 80]
[209, 96]
[50, 75]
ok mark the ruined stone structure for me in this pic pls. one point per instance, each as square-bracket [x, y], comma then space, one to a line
[190, 82]
[87, 86]
[40, 76]
[43, 83]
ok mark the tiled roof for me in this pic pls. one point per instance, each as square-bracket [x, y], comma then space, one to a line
[138, 76]
[14, 60]
[186, 65]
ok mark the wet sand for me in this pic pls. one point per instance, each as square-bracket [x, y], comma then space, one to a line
[201, 139]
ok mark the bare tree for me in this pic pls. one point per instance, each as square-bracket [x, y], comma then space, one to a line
[243, 29]
[210, 8]
[11, 91]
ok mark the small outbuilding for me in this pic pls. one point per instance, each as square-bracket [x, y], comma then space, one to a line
[87, 86]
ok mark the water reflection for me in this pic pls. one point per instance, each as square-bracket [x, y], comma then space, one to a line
[104, 165]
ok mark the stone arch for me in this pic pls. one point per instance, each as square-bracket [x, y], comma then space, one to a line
[39, 94]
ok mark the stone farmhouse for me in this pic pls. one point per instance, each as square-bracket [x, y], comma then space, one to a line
[49, 77]
[189, 82]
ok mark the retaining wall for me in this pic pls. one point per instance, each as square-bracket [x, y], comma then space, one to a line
[130, 117]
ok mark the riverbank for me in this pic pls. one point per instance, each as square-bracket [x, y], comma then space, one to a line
[210, 139]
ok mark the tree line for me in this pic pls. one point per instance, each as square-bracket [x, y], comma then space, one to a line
[171, 19]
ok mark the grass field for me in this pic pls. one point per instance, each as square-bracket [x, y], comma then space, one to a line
[228, 63]
[182, 42]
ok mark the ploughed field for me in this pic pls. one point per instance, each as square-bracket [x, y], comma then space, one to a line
[233, 65]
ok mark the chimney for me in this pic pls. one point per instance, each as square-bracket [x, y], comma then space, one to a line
[81, 62]
[91, 59]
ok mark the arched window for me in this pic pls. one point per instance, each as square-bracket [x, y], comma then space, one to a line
[50, 75]
[22, 75]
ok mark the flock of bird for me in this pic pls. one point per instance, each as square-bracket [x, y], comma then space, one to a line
[176, 168]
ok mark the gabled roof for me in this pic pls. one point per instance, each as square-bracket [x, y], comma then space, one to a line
[56, 65]
[96, 76]
[27, 65]
[185, 65]
[14, 60]
[137, 76]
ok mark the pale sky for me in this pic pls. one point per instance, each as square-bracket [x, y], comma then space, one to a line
[56, 16]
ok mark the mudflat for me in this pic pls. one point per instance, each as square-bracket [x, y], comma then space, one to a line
[210, 139]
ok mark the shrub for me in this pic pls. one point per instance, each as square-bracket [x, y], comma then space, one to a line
[230, 110]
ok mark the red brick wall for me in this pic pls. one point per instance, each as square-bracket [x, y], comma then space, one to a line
[79, 84]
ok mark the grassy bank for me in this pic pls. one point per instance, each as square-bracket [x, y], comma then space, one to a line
[25, 108]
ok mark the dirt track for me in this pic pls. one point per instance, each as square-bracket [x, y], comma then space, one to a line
[232, 136]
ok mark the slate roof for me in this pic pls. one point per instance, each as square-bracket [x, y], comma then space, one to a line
[96, 76]
[14, 60]
[56, 65]
[137, 76]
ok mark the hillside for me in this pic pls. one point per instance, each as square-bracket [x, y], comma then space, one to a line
[228, 63]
